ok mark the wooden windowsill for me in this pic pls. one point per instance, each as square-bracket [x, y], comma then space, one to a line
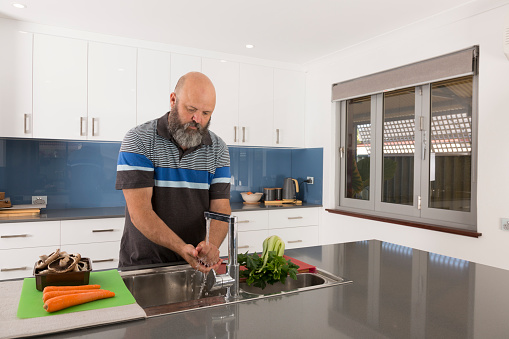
[430, 227]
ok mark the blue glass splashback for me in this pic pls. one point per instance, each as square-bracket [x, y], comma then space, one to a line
[81, 174]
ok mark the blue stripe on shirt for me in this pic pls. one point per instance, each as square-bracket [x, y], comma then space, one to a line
[127, 161]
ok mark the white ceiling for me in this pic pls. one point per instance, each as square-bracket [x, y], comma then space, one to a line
[295, 31]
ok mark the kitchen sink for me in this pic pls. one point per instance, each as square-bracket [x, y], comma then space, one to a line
[304, 280]
[180, 288]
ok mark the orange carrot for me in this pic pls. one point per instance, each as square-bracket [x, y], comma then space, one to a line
[52, 294]
[67, 288]
[64, 301]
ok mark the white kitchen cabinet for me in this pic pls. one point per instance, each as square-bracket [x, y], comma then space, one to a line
[248, 241]
[103, 255]
[225, 77]
[293, 217]
[20, 262]
[256, 105]
[86, 231]
[16, 80]
[289, 108]
[30, 234]
[111, 91]
[182, 64]
[97, 239]
[153, 85]
[296, 237]
[60, 87]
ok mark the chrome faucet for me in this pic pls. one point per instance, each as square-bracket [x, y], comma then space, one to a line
[230, 280]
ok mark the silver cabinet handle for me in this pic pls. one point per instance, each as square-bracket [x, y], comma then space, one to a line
[242, 222]
[243, 134]
[294, 241]
[245, 246]
[83, 122]
[277, 135]
[105, 230]
[95, 131]
[234, 133]
[14, 236]
[103, 260]
[26, 123]
[290, 218]
[13, 269]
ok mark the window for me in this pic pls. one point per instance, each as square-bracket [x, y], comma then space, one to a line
[409, 153]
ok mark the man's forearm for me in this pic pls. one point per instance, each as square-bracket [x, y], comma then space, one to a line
[219, 229]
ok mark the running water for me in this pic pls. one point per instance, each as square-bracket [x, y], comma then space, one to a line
[207, 221]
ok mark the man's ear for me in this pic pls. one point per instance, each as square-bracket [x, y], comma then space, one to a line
[173, 99]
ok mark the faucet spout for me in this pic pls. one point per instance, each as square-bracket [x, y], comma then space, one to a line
[230, 280]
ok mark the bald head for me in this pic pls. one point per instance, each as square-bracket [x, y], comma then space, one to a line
[194, 79]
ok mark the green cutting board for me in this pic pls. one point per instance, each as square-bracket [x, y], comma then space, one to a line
[31, 304]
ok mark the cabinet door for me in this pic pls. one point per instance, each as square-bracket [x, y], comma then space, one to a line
[30, 234]
[103, 255]
[252, 221]
[60, 87]
[153, 85]
[111, 91]
[182, 64]
[225, 77]
[256, 100]
[19, 263]
[16, 81]
[289, 107]
[297, 237]
[293, 217]
[249, 241]
[91, 230]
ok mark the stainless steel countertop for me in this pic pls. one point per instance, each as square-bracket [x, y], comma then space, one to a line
[397, 292]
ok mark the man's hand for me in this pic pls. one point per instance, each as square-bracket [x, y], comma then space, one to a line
[208, 254]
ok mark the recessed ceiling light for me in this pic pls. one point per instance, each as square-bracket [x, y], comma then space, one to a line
[249, 46]
[18, 5]
[223, 60]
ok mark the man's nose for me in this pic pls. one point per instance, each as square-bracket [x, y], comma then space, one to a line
[197, 118]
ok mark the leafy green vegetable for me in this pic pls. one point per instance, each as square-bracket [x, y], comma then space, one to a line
[277, 269]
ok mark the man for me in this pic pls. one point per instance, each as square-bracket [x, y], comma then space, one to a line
[171, 170]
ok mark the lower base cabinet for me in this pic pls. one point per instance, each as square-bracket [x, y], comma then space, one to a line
[103, 255]
[20, 262]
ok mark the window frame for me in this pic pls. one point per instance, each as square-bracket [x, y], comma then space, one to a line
[374, 206]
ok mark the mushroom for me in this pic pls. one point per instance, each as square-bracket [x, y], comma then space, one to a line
[64, 264]
[46, 259]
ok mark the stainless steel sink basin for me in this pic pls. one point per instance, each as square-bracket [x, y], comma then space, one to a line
[179, 288]
[304, 280]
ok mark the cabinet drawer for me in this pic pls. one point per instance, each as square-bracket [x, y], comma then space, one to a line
[297, 237]
[249, 241]
[294, 217]
[92, 230]
[19, 263]
[252, 221]
[103, 255]
[30, 234]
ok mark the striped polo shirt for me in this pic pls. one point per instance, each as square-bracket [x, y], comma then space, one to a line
[183, 184]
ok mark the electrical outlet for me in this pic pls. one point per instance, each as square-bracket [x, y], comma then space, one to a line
[39, 199]
[505, 224]
[311, 180]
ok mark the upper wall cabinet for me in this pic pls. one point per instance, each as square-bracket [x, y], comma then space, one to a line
[182, 64]
[60, 88]
[111, 90]
[289, 108]
[225, 77]
[256, 105]
[153, 84]
[16, 81]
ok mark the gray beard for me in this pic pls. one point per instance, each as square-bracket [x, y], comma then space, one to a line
[185, 137]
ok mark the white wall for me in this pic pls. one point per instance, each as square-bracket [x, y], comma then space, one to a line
[476, 23]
